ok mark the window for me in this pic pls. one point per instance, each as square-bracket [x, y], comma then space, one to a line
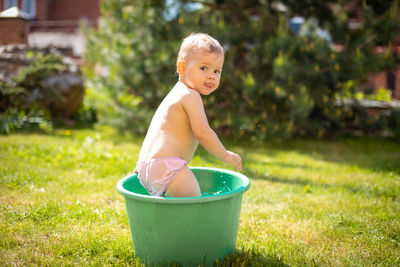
[9, 3]
[29, 7]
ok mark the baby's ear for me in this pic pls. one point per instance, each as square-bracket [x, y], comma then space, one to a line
[180, 68]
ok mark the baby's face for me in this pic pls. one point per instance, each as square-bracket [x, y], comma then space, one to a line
[203, 72]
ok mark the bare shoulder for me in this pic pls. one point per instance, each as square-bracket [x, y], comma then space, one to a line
[187, 98]
[190, 96]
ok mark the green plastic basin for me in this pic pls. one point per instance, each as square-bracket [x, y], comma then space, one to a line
[188, 231]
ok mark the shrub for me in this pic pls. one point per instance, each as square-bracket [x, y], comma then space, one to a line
[274, 81]
[24, 100]
[14, 120]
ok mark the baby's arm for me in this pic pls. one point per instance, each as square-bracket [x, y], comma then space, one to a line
[194, 107]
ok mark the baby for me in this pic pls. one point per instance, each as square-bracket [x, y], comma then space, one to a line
[180, 123]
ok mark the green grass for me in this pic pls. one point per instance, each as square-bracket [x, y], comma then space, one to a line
[311, 202]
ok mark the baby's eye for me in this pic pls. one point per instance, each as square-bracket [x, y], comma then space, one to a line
[217, 71]
[203, 68]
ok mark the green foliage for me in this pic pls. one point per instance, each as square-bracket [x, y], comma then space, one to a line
[11, 95]
[274, 82]
[22, 99]
[394, 122]
[130, 61]
[382, 94]
[14, 120]
[41, 67]
[20, 107]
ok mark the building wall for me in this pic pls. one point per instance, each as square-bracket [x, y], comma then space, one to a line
[14, 31]
[74, 9]
[64, 10]
[65, 15]
[396, 93]
[379, 80]
[42, 10]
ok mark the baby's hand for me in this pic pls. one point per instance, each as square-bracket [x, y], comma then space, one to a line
[234, 159]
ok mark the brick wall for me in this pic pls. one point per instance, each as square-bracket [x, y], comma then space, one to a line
[63, 9]
[74, 9]
[378, 80]
[13, 31]
[396, 93]
[64, 15]
[42, 10]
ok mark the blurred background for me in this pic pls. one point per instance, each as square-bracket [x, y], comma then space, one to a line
[292, 68]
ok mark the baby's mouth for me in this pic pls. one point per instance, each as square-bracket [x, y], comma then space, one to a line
[209, 85]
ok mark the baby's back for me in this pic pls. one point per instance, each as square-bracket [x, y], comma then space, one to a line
[170, 133]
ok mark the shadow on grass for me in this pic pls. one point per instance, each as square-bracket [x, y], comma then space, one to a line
[376, 154]
[371, 191]
[276, 179]
[251, 258]
[369, 153]
[243, 258]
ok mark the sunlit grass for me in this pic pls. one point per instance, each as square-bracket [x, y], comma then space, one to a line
[311, 202]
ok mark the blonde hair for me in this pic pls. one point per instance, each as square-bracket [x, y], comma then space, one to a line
[198, 42]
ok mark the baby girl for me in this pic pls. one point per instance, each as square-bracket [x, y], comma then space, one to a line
[180, 123]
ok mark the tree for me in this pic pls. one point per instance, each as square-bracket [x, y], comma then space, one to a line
[274, 81]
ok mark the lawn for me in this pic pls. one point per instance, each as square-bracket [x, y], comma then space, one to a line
[311, 202]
